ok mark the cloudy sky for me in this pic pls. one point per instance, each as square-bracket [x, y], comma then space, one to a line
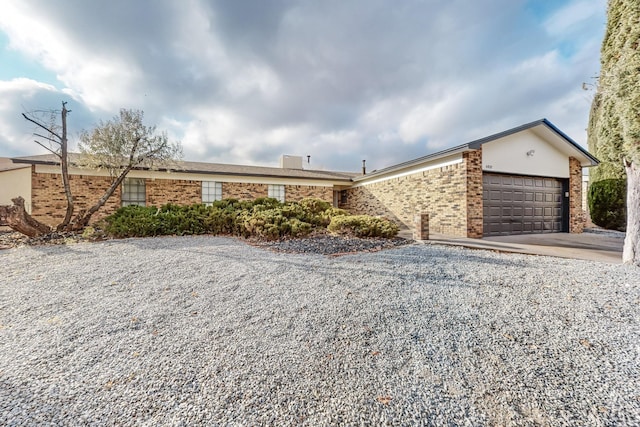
[339, 80]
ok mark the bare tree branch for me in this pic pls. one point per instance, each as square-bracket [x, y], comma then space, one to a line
[46, 148]
[35, 122]
[47, 138]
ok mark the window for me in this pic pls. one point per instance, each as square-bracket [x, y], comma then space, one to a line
[277, 192]
[133, 192]
[211, 191]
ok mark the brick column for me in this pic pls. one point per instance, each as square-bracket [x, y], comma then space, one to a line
[473, 164]
[576, 214]
[421, 227]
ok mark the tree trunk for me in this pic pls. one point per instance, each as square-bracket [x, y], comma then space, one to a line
[64, 164]
[631, 251]
[19, 220]
[83, 217]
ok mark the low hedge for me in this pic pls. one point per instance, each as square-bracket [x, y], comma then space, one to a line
[608, 203]
[363, 226]
[265, 217]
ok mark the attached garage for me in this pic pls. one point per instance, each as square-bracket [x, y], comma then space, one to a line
[521, 181]
[530, 177]
[516, 204]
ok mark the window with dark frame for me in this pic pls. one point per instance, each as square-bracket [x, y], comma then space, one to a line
[343, 197]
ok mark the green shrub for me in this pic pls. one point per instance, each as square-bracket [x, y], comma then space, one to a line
[324, 218]
[133, 221]
[183, 220]
[314, 206]
[607, 203]
[265, 203]
[264, 217]
[221, 221]
[363, 226]
[272, 224]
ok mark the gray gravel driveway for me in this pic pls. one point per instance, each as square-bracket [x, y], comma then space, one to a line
[211, 331]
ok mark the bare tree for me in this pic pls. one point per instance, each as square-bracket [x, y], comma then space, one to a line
[117, 146]
[53, 138]
[120, 145]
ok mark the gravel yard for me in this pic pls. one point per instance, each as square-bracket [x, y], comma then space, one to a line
[212, 331]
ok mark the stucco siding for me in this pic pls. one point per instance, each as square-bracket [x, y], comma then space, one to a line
[15, 183]
[524, 153]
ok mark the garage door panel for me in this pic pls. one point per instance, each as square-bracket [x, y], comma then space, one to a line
[522, 204]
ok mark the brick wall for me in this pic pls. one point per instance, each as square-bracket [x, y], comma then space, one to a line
[294, 193]
[243, 191]
[576, 214]
[49, 202]
[440, 192]
[177, 191]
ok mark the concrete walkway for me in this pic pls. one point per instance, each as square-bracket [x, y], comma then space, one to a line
[593, 245]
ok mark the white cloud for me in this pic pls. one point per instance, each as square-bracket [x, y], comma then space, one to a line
[244, 82]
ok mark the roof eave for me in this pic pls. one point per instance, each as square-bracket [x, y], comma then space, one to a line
[590, 158]
[252, 174]
[411, 163]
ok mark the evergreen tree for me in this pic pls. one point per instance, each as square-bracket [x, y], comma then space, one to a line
[614, 128]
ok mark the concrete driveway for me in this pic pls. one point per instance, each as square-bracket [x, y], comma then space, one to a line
[593, 244]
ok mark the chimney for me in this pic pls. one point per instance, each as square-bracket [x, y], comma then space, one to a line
[364, 167]
[290, 162]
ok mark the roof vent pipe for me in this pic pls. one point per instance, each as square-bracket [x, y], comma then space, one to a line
[364, 167]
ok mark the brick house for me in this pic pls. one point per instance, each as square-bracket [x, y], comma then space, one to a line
[525, 180]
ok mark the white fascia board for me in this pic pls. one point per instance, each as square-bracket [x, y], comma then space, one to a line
[448, 162]
[150, 174]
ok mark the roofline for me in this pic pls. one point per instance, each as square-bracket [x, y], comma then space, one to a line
[444, 153]
[346, 179]
[32, 162]
[196, 171]
[476, 144]
[594, 160]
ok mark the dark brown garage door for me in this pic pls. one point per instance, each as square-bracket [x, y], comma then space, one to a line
[516, 204]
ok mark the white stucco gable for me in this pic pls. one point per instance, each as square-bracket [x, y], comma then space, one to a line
[525, 153]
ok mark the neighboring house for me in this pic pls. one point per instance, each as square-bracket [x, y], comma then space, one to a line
[524, 180]
[15, 180]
